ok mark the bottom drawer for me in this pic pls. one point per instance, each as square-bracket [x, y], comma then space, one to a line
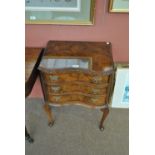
[95, 100]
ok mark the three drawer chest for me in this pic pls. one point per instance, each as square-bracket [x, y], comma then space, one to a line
[80, 73]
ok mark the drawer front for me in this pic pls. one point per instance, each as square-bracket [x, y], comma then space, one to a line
[59, 77]
[61, 99]
[75, 76]
[96, 79]
[81, 88]
[96, 100]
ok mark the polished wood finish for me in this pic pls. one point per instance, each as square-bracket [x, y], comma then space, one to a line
[48, 110]
[104, 116]
[100, 52]
[74, 85]
[32, 60]
[28, 137]
[72, 75]
[83, 88]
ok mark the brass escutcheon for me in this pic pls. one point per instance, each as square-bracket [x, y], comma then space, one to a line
[93, 100]
[55, 88]
[96, 79]
[54, 77]
[57, 98]
[95, 91]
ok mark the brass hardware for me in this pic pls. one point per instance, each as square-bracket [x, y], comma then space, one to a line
[96, 79]
[57, 98]
[93, 100]
[107, 70]
[95, 91]
[55, 88]
[54, 77]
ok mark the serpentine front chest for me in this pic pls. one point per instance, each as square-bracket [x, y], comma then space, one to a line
[76, 73]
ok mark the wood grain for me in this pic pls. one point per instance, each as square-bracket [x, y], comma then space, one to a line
[72, 81]
[32, 60]
[72, 87]
[89, 86]
[100, 52]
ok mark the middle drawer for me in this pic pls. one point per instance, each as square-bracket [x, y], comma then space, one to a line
[64, 88]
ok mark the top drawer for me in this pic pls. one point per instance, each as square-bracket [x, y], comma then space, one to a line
[73, 77]
[59, 77]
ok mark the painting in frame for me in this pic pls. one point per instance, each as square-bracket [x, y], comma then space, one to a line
[119, 6]
[120, 97]
[66, 12]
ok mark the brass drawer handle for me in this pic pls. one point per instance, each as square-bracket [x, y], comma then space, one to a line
[57, 98]
[93, 100]
[55, 89]
[54, 77]
[96, 79]
[95, 91]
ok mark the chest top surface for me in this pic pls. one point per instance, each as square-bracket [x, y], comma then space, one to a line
[84, 54]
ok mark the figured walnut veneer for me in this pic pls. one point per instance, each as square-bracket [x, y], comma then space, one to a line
[100, 52]
[76, 84]
[90, 86]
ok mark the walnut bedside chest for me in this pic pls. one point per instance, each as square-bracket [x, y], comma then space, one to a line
[77, 73]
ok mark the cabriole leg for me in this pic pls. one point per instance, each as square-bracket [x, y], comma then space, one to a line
[27, 136]
[48, 111]
[104, 116]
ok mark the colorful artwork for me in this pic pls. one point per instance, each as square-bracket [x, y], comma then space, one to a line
[120, 98]
[125, 99]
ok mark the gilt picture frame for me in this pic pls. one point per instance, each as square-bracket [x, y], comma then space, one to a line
[119, 6]
[64, 12]
[120, 95]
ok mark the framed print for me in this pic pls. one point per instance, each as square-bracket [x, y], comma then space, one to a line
[68, 12]
[120, 97]
[119, 6]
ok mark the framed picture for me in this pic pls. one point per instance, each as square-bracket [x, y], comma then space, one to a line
[120, 97]
[68, 12]
[119, 6]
